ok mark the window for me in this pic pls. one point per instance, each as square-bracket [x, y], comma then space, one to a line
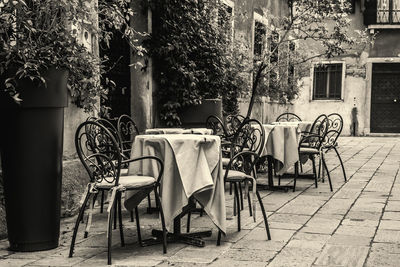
[273, 42]
[328, 81]
[388, 11]
[225, 17]
[260, 33]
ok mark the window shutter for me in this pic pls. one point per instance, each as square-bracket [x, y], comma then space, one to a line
[370, 12]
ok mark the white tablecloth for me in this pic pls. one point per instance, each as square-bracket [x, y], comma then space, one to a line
[282, 144]
[179, 131]
[192, 167]
[304, 126]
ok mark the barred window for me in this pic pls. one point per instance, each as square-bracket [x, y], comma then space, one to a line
[388, 11]
[328, 81]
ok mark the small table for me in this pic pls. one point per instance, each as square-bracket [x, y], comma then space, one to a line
[192, 171]
[179, 131]
[281, 150]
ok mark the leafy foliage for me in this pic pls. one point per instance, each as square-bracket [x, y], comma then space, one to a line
[36, 35]
[309, 30]
[191, 45]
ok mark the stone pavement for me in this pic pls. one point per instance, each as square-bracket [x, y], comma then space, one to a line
[356, 225]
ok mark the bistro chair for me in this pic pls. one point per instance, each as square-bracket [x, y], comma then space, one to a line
[246, 148]
[287, 117]
[232, 123]
[127, 130]
[100, 154]
[312, 146]
[335, 127]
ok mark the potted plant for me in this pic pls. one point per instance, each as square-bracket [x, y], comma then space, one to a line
[195, 66]
[42, 61]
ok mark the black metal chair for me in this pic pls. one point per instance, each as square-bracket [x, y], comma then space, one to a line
[127, 130]
[287, 117]
[311, 146]
[100, 154]
[246, 148]
[335, 127]
[232, 123]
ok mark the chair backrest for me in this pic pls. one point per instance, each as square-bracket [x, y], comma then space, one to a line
[99, 152]
[250, 136]
[288, 117]
[216, 125]
[320, 125]
[127, 130]
[335, 127]
[232, 123]
[247, 146]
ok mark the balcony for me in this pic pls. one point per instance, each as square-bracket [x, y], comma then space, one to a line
[384, 14]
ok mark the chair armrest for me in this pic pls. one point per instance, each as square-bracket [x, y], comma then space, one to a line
[160, 162]
[241, 154]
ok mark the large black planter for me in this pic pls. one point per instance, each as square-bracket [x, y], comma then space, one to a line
[196, 116]
[31, 153]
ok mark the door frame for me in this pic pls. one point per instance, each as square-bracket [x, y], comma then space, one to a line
[368, 103]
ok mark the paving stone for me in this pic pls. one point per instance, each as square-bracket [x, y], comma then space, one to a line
[387, 236]
[389, 225]
[353, 256]
[248, 254]
[294, 256]
[389, 215]
[59, 261]
[356, 230]
[360, 215]
[350, 240]
[196, 255]
[289, 218]
[234, 263]
[383, 254]
[362, 223]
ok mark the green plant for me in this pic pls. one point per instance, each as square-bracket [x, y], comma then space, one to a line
[36, 35]
[193, 55]
[309, 30]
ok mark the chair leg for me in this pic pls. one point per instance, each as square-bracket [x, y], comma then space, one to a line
[264, 215]
[110, 222]
[237, 205]
[230, 188]
[149, 203]
[327, 171]
[296, 173]
[314, 171]
[301, 167]
[249, 201]
[102, 202]
[341, 163]
[188, 222]
[138, 226]
[115, 215]
[162, 221]
[78, 221]
[131, 212]
[279, 180]
[241, 195]
[121, 230]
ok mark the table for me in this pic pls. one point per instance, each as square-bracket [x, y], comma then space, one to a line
[304, 126]
[192, 170]
[281, 150]
[179, 131]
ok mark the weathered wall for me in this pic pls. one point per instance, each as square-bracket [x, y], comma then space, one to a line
[354, 104]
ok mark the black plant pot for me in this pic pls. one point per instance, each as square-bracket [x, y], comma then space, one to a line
[196, 116]
[31, 147]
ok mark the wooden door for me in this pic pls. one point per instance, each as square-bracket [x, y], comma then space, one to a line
[385, 98]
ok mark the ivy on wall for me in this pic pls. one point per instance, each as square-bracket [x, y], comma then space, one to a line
[191, 47]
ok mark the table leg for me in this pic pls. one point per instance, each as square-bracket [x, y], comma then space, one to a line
[270, 186]
[193, 239]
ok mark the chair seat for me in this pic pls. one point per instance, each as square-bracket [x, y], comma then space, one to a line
[238, 176]
[129, 182]
[308, 150]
